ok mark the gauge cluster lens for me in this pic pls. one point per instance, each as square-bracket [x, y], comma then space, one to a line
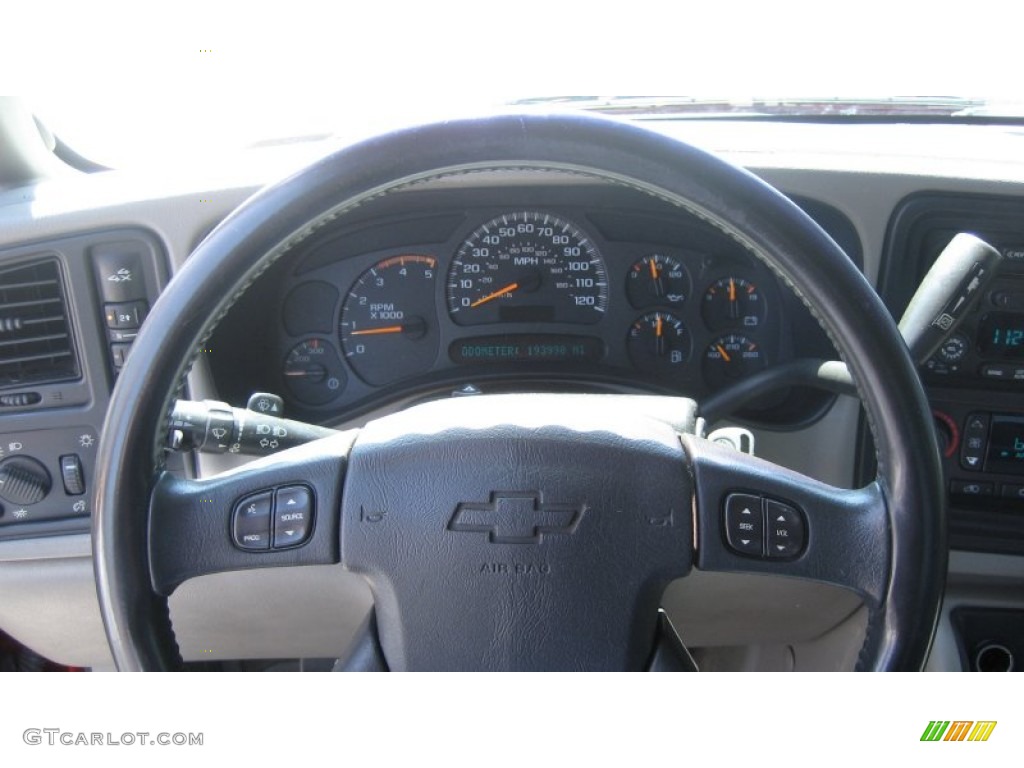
[388, 325]
[485, 294]
[527, 267]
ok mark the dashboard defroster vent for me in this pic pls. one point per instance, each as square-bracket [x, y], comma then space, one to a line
[35, 333]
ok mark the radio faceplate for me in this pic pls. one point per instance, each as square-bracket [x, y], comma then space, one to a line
[988, 349]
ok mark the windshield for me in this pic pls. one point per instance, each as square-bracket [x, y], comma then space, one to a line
[229, 76]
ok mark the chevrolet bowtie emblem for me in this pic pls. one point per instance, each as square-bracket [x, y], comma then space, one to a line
[516, 517]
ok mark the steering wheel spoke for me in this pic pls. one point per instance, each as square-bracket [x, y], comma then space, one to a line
[755, 516]
[278, 511]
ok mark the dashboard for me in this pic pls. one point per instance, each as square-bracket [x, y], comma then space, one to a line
[528, 284]
[517, 287]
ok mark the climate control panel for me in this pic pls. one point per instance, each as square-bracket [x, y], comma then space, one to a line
[983, 454]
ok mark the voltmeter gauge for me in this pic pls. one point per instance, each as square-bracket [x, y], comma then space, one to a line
[733, 302]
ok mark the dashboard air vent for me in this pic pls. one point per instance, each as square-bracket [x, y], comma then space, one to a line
[35, 334]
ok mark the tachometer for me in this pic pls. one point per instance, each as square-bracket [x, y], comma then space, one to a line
[527, 267]
[388, 324]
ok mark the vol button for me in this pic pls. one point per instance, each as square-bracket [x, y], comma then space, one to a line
[786, 529]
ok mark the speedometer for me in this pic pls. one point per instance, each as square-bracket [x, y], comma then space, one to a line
[527, 267]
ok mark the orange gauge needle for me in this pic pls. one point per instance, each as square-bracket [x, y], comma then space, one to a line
[723, 353]
[495, 295]
[654, 269]
[732, 289]
[657, 326]
[375, 331]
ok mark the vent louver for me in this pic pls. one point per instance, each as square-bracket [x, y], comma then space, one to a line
[35, 334]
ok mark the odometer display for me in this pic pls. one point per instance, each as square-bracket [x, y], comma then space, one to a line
[527, 267]
[526, 348]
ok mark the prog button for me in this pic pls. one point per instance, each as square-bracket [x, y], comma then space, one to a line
[250, 524]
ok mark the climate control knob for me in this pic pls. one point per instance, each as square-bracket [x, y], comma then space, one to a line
[23, 480]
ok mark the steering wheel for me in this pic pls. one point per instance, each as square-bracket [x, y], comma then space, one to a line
[523, 531]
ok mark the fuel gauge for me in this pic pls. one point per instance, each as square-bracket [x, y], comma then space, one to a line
[658, 343]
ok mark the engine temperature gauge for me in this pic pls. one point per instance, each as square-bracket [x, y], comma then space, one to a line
[730, 359]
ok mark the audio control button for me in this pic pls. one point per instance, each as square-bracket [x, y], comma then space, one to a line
[744, 524]
[293, 516]
[997, 372]
[972, 451]
[970, 488]
[251, 524]
[1013, 491]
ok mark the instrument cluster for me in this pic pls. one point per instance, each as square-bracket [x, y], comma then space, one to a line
[561, 294]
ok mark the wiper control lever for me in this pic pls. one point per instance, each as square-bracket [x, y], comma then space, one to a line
[211, 426]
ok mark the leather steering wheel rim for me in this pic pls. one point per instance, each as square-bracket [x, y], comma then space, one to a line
[280, 217]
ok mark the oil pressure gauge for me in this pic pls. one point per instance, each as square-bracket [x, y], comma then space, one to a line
[657, 279]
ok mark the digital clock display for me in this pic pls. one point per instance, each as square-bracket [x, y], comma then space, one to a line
[1002, 335]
